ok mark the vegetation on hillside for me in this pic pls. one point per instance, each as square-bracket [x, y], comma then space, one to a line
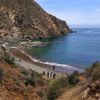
[6, 57]
[93, 71]
[34, 79]
[57, 87]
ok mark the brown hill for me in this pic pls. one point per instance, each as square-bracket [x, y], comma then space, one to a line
[12, 86]
[27, 19]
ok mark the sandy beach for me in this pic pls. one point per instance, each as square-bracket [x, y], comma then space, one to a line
[31, 63]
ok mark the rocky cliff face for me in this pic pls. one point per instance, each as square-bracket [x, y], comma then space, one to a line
[27, 19]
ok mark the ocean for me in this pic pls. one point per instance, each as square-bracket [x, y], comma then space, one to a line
[79, 49]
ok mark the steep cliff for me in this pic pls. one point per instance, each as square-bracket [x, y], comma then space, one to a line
[27, 19]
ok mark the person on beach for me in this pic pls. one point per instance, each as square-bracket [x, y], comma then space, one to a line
[47, 74]
[51, 74]
[53, 68]
[54, 76]
[43, 73]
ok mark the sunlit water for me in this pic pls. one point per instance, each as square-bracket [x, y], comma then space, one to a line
[79, 49]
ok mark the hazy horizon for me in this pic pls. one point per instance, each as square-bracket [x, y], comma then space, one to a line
[84, 26]
[80, 13]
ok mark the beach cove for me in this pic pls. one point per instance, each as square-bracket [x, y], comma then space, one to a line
[30, 63]
[24, 60]
[68, 53]
[39, 65]
[80, 48]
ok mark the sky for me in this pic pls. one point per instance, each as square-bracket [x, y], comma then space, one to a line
[75, 12]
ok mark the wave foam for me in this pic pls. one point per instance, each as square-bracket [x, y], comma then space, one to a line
[51, 63]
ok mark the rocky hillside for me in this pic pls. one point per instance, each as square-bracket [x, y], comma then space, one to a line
[27, 19]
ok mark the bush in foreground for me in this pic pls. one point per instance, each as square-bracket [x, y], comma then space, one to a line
[24, 71]
[9, 59]
[55, 88]
[30, 81]
[73, 78]
[94, 71]
[34, 79]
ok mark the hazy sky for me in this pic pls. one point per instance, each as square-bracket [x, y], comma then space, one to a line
[75, 12]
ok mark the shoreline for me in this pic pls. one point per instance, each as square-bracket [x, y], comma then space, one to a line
[59, 68]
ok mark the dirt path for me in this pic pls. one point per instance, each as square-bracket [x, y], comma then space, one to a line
[75, 93]
[70, 94]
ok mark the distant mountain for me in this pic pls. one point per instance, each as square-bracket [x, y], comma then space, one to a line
[25, 18]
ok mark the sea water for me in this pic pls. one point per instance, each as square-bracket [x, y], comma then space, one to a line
[80, 48]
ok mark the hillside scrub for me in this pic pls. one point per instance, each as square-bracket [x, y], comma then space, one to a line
[57, 86]
[73, 78]
[34, 79]
[6, 57]
[93, 71]
[10, 60]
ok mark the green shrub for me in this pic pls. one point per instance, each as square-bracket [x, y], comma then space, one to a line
[55, 88]
[73, 78]
[37, 77]
[30, 81]
[24, 71]
[7, 57]
[96, 73]
[93, 71]
[10, 60]
[53, 91]
[35, 74]
[34, 79]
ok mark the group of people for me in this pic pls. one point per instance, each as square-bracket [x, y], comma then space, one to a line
[51, 74]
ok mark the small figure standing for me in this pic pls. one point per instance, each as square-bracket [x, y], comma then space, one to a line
[43, 73]
[53, 68]
[47, 74]
[54, 76]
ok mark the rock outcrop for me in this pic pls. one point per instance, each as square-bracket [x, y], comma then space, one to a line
[27, 19]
